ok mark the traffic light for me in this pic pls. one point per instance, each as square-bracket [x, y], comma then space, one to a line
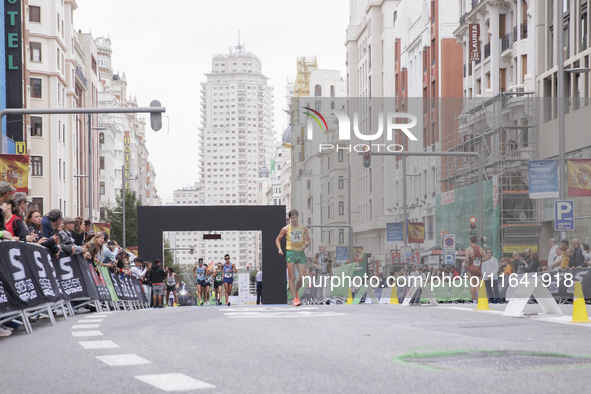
[484, 240]
[367, 157]
[473, 225]
[156, 117]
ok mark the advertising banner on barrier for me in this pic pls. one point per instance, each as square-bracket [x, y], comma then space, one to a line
[7, 302]
[71, 277]
[110, 287]
[97, 280]
[18, 276]
[48, 281]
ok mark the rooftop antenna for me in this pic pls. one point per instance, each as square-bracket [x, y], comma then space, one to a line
[239, 47]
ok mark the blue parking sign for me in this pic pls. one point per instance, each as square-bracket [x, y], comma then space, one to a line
[564, 215]
[449, 259]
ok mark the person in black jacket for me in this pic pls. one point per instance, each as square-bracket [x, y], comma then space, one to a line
[157, 274]
[533, 264]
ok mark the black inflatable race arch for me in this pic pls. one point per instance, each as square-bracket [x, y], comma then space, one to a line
[268, 219]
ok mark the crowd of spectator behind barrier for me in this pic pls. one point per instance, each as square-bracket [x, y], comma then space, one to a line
[69, 236]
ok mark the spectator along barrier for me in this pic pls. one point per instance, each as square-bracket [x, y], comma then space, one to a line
[33, 283]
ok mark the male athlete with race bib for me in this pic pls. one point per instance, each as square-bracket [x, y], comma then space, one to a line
[199, 273]
[297, 240]
[229, 269]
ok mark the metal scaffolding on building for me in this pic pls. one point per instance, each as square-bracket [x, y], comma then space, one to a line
[503, 130]
[302, 82]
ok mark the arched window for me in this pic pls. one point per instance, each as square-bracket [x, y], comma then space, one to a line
[318, 90]
[395, 18]
[308, 184]
[102, 138]
[278, 167]
[331, 90]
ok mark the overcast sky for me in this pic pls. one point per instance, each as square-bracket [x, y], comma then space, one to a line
[166, 47]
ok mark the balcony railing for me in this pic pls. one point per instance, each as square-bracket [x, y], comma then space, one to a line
[523, 31]
[506, 42]
[487, 50]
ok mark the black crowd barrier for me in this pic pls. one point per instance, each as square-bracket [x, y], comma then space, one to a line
[34, 283]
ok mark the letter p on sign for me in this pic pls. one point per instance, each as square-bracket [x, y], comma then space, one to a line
[564, 216]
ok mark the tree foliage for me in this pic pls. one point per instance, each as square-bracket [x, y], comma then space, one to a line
[168, 255]
[116, 219]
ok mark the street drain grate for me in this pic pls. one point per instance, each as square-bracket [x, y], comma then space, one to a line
[493, 360]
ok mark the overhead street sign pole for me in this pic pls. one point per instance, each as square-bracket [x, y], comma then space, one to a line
[156, 125]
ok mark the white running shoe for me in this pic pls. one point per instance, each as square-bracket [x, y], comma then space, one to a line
[5, 333]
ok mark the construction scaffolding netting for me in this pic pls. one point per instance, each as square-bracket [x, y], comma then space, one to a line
[454, 217]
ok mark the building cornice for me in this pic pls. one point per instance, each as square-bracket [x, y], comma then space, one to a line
[48, 37]
[50, 74]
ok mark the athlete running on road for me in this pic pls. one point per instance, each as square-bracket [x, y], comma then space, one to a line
[229, 269]
[297, 240]
[208, 279]
[218, 284]
[199, 273]
[171, 281]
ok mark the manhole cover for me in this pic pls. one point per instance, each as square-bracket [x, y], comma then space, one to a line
[493, 360]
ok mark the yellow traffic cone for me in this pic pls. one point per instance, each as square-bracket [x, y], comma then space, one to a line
[349, 297]
[579, 308]
[394, 296]
[482, 298]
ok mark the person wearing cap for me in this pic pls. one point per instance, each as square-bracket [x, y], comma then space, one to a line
[66, 239]
[5, 190]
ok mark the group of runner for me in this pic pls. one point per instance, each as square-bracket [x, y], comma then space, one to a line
[222, 278]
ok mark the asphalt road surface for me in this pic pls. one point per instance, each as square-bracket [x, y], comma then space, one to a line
[309, 349]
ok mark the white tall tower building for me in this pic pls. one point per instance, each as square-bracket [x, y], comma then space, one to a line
[236, 140]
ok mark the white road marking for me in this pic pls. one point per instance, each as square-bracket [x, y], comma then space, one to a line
[123, 359]
[281, 314]
[87, 334]
[84, 326]
[552, 319]
[174, 382]
[90, 321]
[94, 316]
[269, 309]
[98, 344]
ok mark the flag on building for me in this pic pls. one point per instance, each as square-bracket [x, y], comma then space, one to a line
[15, 170]
[102, 227]
[416, 232]
[579, 177]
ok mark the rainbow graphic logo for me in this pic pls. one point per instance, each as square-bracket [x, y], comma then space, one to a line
[315, 118]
